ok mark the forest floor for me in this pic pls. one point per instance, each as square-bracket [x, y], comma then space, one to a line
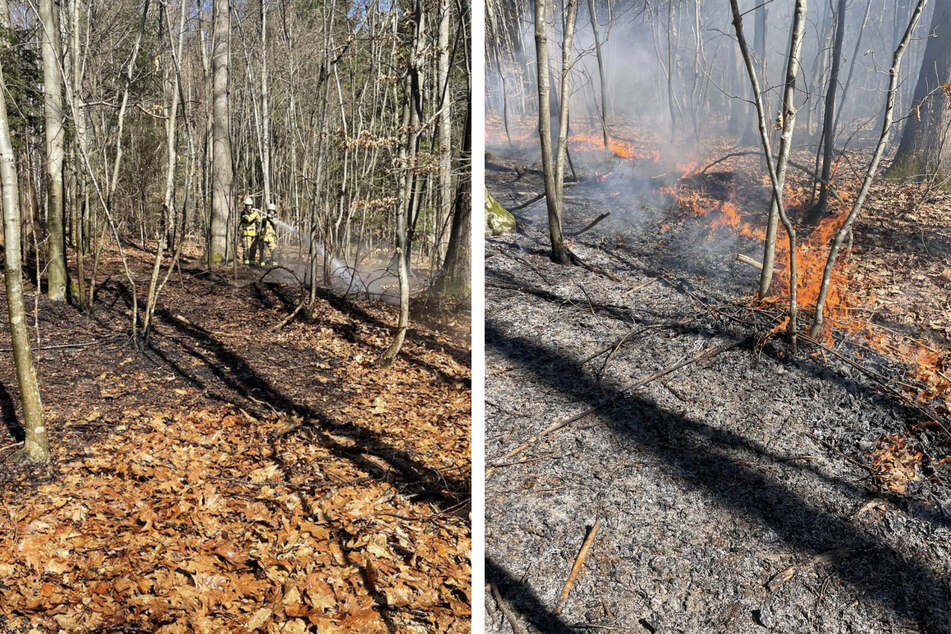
[752, 490]
[238, 477]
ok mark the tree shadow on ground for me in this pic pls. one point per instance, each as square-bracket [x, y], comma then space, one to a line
[523, 599]
[350, 333]
[717, 300]
[233, 371]
[703, 457]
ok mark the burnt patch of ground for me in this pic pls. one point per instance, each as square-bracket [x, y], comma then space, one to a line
[365, 465]
[736, 494]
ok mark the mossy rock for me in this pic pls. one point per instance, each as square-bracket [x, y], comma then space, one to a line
[497, 219]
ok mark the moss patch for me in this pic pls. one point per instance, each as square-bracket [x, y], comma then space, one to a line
[497, 219]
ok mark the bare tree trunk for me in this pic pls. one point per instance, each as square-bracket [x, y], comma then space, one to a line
[795, 47]
[570, 15]
[604, 86]
[759, 52]
[671, 98]
[788, 123]
[846, 227]
[222, 176]
[444, 133]
[552, 193]
[168, 204]
[855, 56]
[55, 139]
[84, 229]
[454, 277]
[402, 241]
[265, 110]
[35, 445]
[829, 117]
[408, 162]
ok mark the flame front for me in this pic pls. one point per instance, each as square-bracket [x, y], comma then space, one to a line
[845, 309]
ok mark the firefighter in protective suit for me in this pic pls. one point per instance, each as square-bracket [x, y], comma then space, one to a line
[268, 235]
[250, 223]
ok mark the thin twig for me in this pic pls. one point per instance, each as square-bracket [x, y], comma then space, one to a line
[590, 225]
[576, 568]
[506, 611]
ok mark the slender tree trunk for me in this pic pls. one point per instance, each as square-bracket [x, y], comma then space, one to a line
[444, 134]
[671, 98]
[265, 110]
[408, 161]
[552, 193]
[55, 140]
[570, 15]
[855, 56]
[604, 85]
[222, 176]
[168, 204]
[36, 444]
[829, 117]
[84, 228]
[759, 52]
[788, 124]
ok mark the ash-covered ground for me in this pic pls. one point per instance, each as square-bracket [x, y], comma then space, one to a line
[735, 494]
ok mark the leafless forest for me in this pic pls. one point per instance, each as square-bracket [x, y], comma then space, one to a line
[718, 334]
[196, 439]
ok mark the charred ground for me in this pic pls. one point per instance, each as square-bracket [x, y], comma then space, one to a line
[752, 490]
[234, 473]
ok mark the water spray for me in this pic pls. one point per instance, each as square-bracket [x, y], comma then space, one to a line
[342, 276]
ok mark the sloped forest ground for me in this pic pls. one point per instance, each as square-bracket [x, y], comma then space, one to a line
[753, 490]
[233, 477]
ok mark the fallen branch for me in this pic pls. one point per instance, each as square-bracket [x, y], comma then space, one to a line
[290, 317]
[640, 286]
[526, 204]
[594, 269]
[748, 260]
[579, 563]
[506, 611]
[538, 197]
[633, 332]
[65, 346]
[727, 157]
[706, 353]
[590, 226]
